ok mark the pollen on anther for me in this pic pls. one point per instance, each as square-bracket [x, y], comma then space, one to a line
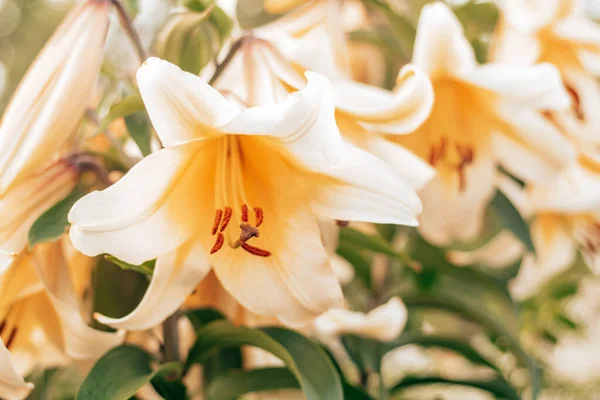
[255, 250]
[217, 221]
[259, 216]
[226, 218]
[218, 243]
[244, 213]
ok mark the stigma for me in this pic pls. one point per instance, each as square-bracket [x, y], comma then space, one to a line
[248, 231]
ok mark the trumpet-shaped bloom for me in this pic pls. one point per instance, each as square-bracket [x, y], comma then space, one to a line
[476, 105]
[40, 319]
[25, 202]
[383, 323]
[52, 97]
[238, 191]
[364, 113]
[557, 32]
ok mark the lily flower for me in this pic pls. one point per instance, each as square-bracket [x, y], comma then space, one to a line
[474, 106]
[40, 319]
[238, 192]
[559, 33]
[52, 97]
[23, 204]
[364, 114]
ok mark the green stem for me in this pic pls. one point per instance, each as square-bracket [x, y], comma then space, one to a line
[171, 338]
[127, 24]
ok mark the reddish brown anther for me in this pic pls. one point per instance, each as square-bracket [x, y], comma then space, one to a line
[218, 243]
[217, 222]
[244, 213]
[11, 338]
[341, 223]
[255, 250]
[259, 216]
[226, 218]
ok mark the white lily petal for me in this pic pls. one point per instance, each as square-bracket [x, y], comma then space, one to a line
[529, 15]
[80, 340]
[590, 61]
[441, 47]
[580, 30]
[581, 121]
[399, 112]
[152, 210]
[411, 167]
[511, 46]
[383, 323]
[539, 86]
[181, 106]
[555, 251]
[502, 251]
[539, 134]
[450, 214]
[305, 125]
[12, 385]
[297, 283]
[367, 191]
[23, 204]
[573, 190]
[521, 161]
[175, 277]
[45, 109]
[343, 270]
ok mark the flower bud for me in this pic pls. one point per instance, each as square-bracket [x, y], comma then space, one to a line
[54, 93]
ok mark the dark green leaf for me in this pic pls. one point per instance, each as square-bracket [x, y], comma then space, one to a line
[116, 291]
[127, 106]
[361, 241]
[236, 383]
[146, 268]
[457, 345]
[203, 316]
[498, 388]
[169, 389]
[311, 366]
[121, 372]
[54, 222]
[403, 29]
[362, 267]
[511, 219]
[139, 129]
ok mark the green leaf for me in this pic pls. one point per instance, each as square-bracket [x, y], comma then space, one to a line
[116, 291]
[121, 372]
[54, 222]
[403, 29]
[307, 361]
[139, 128]
[252, 14]
[146, 268]
[358, 240]
[362, 267]
[457, 345]
[511, 218]
[498, 388]
[236, 383]
[203, 316]
[169, 389]
[127, 106]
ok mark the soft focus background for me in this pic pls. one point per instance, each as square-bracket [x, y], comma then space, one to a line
[560, 325]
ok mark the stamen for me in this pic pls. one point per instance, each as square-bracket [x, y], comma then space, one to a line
[259, 216]
[342, 224]
[248, 232]
[576, 103]
[11, 338]
[226, 218]
[218, 243]
[217, 222]
[244, 213]
[255, 250]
